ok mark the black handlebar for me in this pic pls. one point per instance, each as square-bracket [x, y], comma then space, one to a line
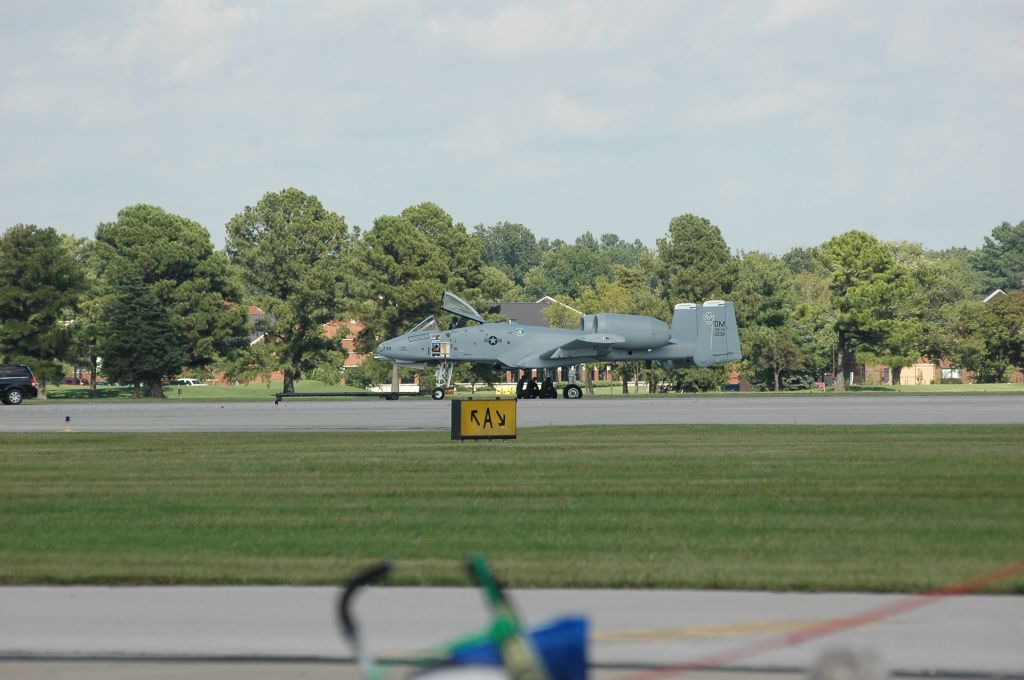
[375, 573]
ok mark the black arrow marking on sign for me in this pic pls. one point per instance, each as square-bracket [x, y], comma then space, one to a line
[472, 416]
[501, 419]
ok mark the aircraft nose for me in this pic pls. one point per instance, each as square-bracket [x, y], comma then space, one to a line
[387, 348]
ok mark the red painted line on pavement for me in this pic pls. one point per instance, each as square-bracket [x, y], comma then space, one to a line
[838, 625]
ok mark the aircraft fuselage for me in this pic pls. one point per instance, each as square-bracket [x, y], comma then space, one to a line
[520, 346]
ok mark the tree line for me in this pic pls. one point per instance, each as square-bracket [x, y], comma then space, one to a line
[150, 297]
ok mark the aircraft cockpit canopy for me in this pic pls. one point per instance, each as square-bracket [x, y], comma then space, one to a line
[428, 324]
[459, 307]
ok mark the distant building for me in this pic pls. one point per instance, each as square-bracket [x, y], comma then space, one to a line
[351, 329]
[925, 372]
[532, 313]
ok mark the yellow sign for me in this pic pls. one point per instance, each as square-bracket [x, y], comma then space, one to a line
[484, 419]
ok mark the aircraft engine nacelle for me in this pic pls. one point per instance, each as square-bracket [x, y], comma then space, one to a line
[640, 332]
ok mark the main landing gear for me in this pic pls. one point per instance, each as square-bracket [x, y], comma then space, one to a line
[572, 391]
[442, 380]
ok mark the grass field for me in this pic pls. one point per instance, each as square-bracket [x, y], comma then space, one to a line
[250, 392]
[764, 507]
[265, 391]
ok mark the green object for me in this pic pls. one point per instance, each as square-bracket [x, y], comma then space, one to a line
[517, 653]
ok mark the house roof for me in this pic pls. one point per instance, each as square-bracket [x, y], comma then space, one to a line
[528, 313]
[547, 299]
[531, 313]
[997, 293]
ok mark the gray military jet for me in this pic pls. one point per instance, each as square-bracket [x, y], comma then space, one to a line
[702, 334]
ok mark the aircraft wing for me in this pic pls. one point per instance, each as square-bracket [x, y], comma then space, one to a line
[591, 344]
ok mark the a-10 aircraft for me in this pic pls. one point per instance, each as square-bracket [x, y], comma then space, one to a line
[701, 335]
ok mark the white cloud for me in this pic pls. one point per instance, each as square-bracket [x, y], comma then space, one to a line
[557, 117]
[480, 136]
[785, 13]
[569, 117]
[536, 28]
[181, 40]
[749, 110]
[805, 101]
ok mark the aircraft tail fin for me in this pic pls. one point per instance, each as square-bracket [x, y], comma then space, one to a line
[711, 327]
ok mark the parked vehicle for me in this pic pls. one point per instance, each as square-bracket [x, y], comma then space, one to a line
[190, 382]
[71, 380]
[17, 384]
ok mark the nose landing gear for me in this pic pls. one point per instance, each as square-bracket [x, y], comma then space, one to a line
[442, 380]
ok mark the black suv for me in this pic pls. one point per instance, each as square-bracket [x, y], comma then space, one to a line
[16, 383]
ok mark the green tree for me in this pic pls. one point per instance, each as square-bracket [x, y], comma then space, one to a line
[1001, 259]
[192, 282]
[620, 252]
[40, 283]
[940, 283]
[399, 280]
[294, 257]
[139, 340]
[693, 261]
[990, 337]
[562, 315]
[258, 360]
[496, 286]
[866, 288]
[763, 292]
[510, 247]
[775, 350]
[698, 379]
[96, 296]
[800, 260]
[641, 280]
[815, 318]
[569, 269]
[776, 339]
[462, 251]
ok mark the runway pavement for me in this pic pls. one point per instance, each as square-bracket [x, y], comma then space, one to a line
[759, 632]
[420, 414]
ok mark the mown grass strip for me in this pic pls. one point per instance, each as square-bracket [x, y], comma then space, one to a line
[256, 392]
[883, 508]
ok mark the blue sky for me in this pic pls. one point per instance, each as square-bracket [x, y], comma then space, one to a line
[784, 122]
